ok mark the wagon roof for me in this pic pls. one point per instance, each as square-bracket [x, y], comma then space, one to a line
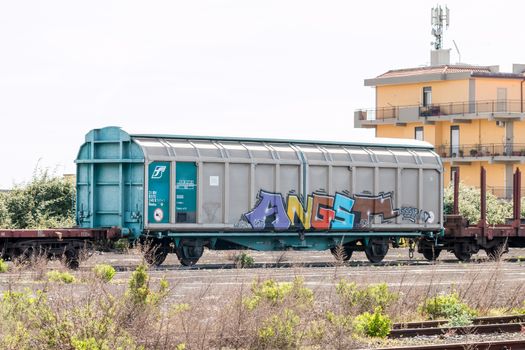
[373, 141]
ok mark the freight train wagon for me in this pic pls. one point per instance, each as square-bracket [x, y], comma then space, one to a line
[185, 193]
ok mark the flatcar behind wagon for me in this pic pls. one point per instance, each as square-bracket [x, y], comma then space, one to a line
[185, 193]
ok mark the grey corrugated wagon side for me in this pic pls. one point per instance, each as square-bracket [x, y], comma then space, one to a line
[184, 193]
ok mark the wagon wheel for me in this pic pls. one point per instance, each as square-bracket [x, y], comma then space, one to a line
[376, 249]
[431, 254]
[462, 255]
[156, 255]
[189, 254]
[72, 258]
[341, 252]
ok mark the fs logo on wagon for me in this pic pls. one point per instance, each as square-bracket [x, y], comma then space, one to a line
[159, 170]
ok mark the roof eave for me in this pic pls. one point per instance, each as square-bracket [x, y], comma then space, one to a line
[417, 78]
[378, 142]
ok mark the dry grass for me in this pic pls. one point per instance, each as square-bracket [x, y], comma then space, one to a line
[215, 316]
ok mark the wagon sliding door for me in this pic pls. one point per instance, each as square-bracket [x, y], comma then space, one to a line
[159, 193]
[185, 192]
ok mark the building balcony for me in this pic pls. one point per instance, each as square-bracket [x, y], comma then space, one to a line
[456, 112]
[504, 192]
[492, 152]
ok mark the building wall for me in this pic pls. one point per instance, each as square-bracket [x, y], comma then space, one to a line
[404, 132]
[487, 88]
[469, 174]
[519, 133]
[479, 131]
[412, 94]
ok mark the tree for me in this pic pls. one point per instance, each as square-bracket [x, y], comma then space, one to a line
[47, 201]
[5, 220]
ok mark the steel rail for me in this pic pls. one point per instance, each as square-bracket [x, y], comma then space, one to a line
[475, 321]
[485, 345]
[474, 329]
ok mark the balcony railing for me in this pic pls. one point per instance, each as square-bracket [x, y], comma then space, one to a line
[482, 150]
[447, 109]
[504, 192]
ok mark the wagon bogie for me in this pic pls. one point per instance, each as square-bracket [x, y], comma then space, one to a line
[429, 248]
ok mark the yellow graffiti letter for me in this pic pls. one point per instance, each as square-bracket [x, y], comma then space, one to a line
[295, 209]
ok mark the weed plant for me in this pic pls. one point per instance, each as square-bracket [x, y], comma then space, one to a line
[374, 324]
[58, 276]
[243, 260]
[3, 266]
[448, 306]
[104, 272]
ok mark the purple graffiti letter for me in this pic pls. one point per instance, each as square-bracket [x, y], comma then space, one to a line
[269, 212]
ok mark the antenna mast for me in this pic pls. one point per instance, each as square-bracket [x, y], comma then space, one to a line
[457, 49]
[439, 17]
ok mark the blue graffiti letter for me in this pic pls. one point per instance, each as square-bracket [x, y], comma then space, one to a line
[344, 219]
[269, 212]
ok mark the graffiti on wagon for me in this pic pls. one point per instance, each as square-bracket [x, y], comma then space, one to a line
[323, 212]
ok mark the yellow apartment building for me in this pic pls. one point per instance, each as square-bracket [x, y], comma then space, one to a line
[474, 115]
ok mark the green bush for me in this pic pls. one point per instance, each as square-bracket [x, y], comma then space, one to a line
[275, 293]
[243, 260]
[373, 325]
[104, 272]
[498, 210]
[3, 266]
[28, 321]
[57, 276]
[448, 306]
[139, 291]
[20, 313]
[281, 331]
[364, 299]
[121, 245]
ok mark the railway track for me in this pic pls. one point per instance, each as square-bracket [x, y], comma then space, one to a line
[485, 345]
[227, 266]
[476, 321]
[313, 264]
[481, 325]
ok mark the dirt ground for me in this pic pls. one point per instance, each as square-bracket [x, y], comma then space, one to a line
[216, 273]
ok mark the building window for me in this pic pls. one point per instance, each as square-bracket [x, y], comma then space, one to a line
[427, 96]
[501, 105]
[418, 133]
[453, 170]
[455, 149]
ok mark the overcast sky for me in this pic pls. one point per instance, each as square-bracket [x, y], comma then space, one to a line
[282, 69]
